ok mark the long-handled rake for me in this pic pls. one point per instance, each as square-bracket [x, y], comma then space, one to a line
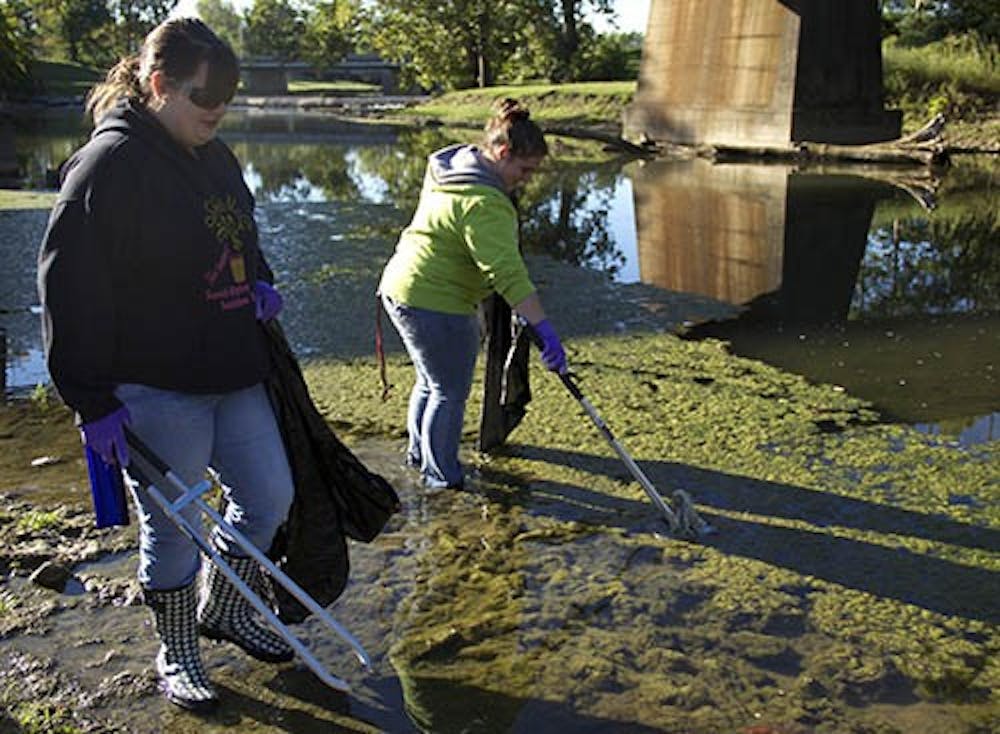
[682, 518]
[146, 466]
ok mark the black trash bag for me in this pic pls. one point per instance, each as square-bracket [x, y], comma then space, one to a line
[335, 494]
[506, 391]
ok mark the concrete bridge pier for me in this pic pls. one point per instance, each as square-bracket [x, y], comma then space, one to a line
[761, 73]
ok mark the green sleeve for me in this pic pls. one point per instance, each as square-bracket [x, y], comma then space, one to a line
[491, 235]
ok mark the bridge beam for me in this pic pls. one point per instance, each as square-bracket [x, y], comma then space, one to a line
[761, 73]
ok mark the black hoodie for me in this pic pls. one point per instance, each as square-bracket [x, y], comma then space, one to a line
[147, 269]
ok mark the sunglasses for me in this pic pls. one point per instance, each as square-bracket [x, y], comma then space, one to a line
[209, 99]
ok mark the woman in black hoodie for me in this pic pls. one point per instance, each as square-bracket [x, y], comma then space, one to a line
[152, 284]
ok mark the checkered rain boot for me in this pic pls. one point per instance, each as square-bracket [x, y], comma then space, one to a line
[225, 615]
[182, 675]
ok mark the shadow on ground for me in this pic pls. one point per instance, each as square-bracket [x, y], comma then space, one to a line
[935, 584]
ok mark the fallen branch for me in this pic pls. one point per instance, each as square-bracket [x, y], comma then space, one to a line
[925, 146]
[615, 141]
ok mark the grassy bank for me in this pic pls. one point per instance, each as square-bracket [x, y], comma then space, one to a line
[585, 103]
[952, 76]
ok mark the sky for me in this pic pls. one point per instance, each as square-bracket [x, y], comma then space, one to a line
[631, 14]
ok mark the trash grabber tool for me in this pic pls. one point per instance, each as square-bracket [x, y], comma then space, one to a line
[155, 466]
[682, 518]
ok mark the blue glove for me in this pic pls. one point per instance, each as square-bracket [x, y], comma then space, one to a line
[106, 436]
[267, 301]
[553, 355]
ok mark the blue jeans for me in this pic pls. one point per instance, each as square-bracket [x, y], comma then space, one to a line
[443, 348]
[236, 434]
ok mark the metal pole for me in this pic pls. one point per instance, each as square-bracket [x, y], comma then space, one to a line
[189, 495]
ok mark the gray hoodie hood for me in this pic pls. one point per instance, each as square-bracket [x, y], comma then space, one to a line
[462, 164]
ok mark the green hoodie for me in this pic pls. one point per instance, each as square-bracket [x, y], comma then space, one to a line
[462, 243]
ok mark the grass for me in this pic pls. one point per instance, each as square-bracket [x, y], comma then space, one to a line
[308, 87]
[952, 76]
[580, 103]
[16, 199]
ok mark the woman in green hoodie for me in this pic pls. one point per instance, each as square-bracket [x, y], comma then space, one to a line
[462, 245]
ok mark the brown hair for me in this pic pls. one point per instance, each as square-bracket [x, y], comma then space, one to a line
[175, 47]
[511, 125]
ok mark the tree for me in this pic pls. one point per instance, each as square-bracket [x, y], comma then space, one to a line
[133, 19]
[221, 17]
[273, 29]
[331, 32]
[917, 22]
[15, 54]
[81, 23]
[456, 44]
[557, 38]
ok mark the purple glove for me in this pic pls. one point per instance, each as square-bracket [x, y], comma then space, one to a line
[106, 436]
[268, 301]
[553, 355]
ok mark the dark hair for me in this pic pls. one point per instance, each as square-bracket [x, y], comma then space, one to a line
[511, 125]
[175, 47]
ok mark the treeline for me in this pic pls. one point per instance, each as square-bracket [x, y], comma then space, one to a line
[440, 45]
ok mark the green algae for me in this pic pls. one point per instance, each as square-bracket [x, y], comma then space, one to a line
[844, 578]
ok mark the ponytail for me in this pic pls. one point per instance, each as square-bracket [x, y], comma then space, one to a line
[121, 81]
[511, 125]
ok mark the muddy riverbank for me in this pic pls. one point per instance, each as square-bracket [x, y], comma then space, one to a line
[850, 587]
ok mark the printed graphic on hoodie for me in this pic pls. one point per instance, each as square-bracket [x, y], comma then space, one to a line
[225, 220]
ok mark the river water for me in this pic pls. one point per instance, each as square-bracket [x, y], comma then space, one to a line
[884, 281]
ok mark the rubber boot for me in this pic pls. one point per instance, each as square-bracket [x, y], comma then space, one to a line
[224, 614]
[178, 662]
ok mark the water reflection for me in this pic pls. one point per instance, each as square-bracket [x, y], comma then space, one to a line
[825, 265]
[900, 307]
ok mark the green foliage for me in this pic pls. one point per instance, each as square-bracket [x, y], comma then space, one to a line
[40, 396]
[557, 41]
[15, 55]
[469, 43]
[611, 57]
[331, 32]
[222, 17]
[445, 45]
[273, 30]
[918, 22]
[955, 75]
[37, 520]
[92, 32]
[83, 26]
[43, 718]
[133, 19]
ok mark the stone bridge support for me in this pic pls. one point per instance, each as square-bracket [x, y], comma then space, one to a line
[761, 73]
